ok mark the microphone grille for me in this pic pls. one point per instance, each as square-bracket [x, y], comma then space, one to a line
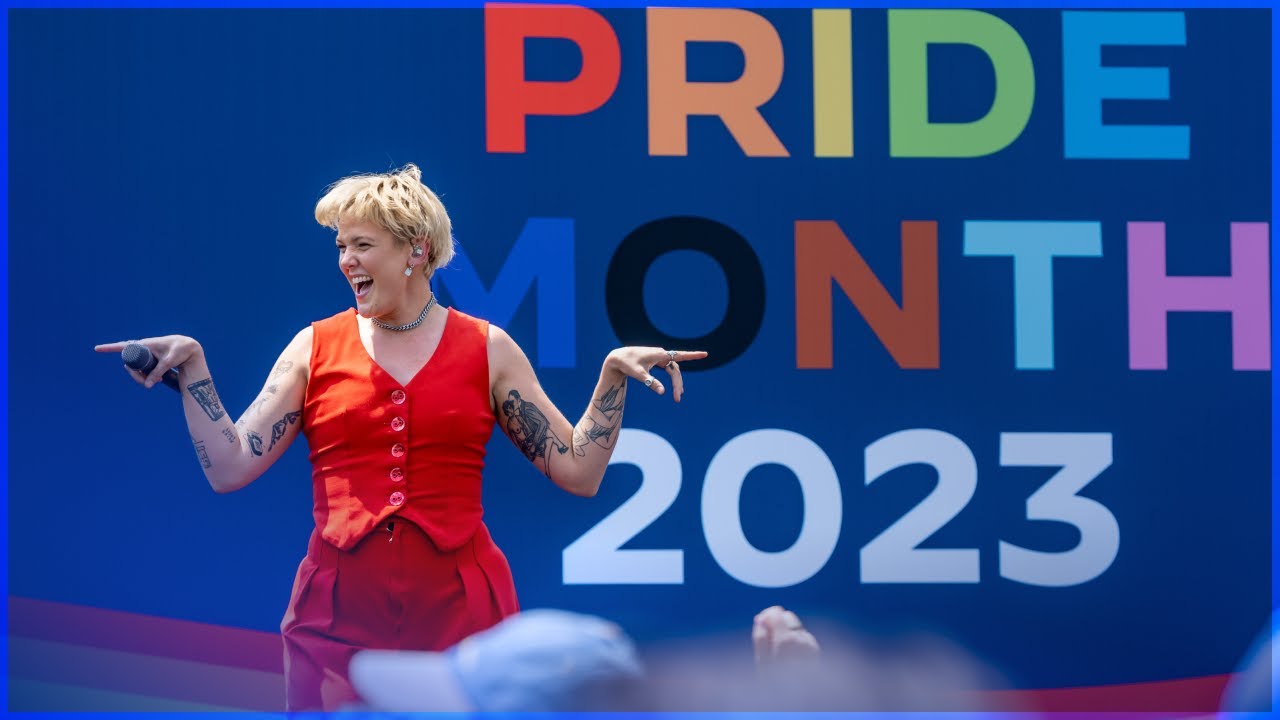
[135, 356]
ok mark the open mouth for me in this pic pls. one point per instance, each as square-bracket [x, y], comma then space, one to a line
[362, 285]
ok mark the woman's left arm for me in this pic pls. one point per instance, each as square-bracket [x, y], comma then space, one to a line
[573, 456]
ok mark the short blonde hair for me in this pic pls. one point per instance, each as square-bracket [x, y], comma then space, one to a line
[396, 201]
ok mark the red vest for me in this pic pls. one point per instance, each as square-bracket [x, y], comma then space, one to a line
[379, 448]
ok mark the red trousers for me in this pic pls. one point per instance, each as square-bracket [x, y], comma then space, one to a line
[393, 590]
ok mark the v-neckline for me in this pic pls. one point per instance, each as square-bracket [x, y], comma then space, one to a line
[355, 320]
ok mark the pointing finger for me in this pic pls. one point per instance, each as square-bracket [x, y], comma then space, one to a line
[111, 347]
[683, 355]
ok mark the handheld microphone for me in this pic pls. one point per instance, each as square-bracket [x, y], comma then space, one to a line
[139, 358]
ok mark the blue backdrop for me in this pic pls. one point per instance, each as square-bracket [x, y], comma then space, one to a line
[164, 165]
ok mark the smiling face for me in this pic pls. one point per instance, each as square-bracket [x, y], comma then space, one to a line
[373, 262]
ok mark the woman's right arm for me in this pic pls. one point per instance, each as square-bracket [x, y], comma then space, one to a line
[233, 454]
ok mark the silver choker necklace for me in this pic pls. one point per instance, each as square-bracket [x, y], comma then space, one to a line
[398, 328]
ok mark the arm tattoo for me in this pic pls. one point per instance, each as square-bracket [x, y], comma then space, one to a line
[229, 434]
[207, 397]
[601, 435]
[611, 402]
[255, 442]
[265, 396]
[610, 406]
[281, 369]
[277, 430]
[529, 429]
[203, 454]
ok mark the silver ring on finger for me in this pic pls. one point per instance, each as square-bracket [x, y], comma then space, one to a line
[671, 355]
[649, 380]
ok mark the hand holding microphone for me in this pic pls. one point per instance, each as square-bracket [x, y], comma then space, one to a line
[141, 359]
[155, 359]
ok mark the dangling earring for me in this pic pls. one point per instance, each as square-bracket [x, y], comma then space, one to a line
[408, 272]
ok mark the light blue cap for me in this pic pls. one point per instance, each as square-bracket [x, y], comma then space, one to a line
[534, 661]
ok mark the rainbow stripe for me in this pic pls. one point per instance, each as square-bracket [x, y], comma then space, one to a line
[72, 658]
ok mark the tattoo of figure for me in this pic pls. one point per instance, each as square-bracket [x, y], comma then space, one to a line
[207, 397]
[277, 430]
[281, 369]
[610, 402]
[596, 433]
[529, 428]
[267, 392]
[203, 454]
[601, 435]
[229, 434]
[255, 442]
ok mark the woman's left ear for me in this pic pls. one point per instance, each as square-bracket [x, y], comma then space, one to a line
[421, 251]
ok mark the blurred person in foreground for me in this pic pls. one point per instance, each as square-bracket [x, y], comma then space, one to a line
[397, 399]
[847, 671]
[546, 660]
[534, 661]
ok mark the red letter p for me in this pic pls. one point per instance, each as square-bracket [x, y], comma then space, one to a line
[509, 98]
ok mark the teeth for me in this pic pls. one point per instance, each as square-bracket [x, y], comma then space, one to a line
[357, 279]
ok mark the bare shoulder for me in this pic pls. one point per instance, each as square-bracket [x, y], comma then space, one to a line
[296, 358]
[505, 356]
[502, 348]
[303, 339]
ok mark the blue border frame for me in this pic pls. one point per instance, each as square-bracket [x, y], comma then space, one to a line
[384, 4]
[392, 4]
[4, 344]
[1275, 393]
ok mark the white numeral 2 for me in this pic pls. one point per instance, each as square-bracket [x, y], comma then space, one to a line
[596, 557]
[892, 557]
